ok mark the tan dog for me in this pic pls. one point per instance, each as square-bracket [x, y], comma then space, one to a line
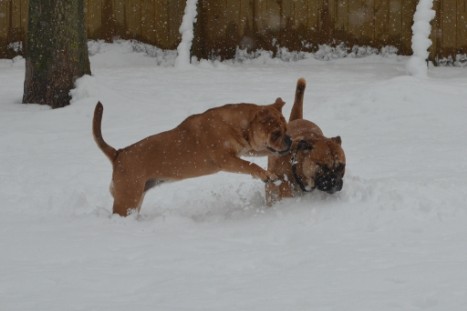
[202, 144]
[314, 161]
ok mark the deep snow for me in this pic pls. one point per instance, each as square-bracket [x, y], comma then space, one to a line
[393, 239]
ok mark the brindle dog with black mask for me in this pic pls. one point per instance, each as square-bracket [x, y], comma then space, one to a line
[314, 161]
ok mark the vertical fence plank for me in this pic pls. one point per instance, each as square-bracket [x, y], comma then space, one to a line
[408, 10]
[270, 16]
[321, 9]
[287, 34]
[161, 37]
[133, 18]
[394, 23]
[462, 25]
[435, 31]
[228, 21]
[24, 16]
[306, 15]
[128, 18]
[449, 26]
[296, 28]
[357, 19]
[381, 23]
[341, 23]
[98, 6]
[15, 31]
[207, 15]
[148, 23]
[175, 10]
[368, 29]
[245, 18]
[286, 10]
[119, 12]
[325, 22]
[93, 18]
[229, 14]
[260, 7]
[4, 19]
[4, 15]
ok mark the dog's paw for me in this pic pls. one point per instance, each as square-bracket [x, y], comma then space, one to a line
[270, 178]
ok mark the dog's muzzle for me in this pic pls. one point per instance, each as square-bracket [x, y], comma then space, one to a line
[328, 181]
[288, 143]
[298, 179]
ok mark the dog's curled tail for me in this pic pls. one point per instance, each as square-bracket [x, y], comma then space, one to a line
[108, 150]
[297, 109]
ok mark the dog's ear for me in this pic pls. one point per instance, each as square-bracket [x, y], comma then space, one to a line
[278, 104]
[337, 140]
[264, 116]
[304, 145]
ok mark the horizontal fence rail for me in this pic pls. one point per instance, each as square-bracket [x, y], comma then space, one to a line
[222, 26]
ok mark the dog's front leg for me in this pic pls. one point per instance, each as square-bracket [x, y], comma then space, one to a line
[236, 165]
[275, 191]
[272, 193]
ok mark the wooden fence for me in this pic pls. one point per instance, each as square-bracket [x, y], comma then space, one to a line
[222, 25]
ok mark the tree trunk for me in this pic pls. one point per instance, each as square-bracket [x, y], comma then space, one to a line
[56, 51]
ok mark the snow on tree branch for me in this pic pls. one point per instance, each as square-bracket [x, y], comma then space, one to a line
[421, 30]
[186, 30]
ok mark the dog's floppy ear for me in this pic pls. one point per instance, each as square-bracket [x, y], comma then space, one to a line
[264, 116]
[337, 140]
[278, 104]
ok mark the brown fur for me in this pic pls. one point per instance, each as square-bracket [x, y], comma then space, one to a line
[202, 144]
[314, 161]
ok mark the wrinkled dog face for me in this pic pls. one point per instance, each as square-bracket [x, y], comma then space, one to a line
[269, 130]
[319, 164]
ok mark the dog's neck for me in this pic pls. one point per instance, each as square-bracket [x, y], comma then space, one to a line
[246, 136]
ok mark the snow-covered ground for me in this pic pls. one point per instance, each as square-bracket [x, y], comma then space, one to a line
[393, 239]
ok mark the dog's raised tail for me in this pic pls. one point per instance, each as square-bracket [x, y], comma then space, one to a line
[297, 109]
[108, 150]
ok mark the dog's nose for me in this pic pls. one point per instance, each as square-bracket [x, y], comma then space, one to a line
[336, 187]
[329, 182]
[339, 185]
